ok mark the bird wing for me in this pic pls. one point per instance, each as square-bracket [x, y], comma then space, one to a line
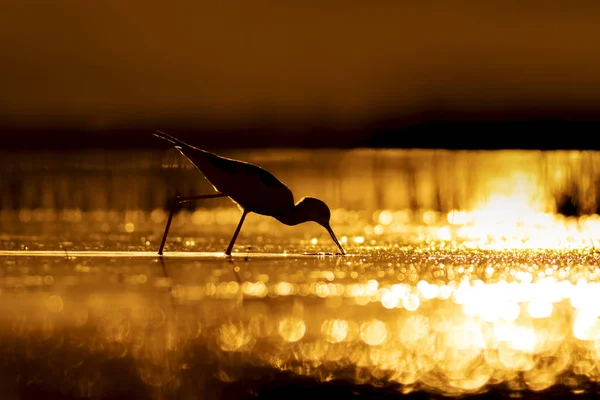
[251, 186]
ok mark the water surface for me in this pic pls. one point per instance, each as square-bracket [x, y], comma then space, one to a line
[467, 272]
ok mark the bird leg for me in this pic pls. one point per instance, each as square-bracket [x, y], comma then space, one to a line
[236, 233]
[182, 199]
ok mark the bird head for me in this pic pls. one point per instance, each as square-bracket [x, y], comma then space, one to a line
[311, 209]
[315, 210]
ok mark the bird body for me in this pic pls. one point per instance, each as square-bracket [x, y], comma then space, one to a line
[253, 188]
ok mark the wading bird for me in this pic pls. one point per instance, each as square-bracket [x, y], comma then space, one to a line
[253, 188]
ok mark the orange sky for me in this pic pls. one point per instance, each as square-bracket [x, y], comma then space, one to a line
[117, 62]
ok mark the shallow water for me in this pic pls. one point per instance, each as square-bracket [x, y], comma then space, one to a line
[448, 288]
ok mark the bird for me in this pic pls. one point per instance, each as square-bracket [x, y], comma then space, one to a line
[252, 188]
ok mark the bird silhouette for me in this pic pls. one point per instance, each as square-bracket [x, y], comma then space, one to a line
[253, 188]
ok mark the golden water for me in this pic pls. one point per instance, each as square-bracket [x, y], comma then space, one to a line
[461, 277]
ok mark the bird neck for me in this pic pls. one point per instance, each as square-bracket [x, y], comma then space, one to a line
[294, 217]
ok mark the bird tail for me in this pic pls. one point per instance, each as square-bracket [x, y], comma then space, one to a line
[171, 139]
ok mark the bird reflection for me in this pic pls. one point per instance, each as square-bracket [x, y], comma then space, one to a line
[164, 267]
[235, 269]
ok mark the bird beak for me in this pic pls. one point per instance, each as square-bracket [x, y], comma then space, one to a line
[335, 239]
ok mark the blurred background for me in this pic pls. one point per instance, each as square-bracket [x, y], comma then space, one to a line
[332, 97]
[464, 74]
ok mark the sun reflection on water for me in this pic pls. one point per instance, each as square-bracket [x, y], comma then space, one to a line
[452, 336]
[504, 292]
